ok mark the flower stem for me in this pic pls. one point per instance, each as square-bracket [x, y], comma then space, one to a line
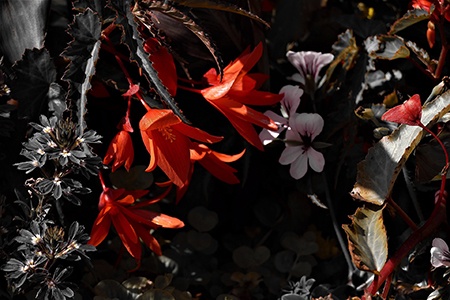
[402, 214]
[337, 228]
[437, 218]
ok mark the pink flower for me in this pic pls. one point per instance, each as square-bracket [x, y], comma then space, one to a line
[304, 128]
[309, 64]
[440, 255]
[289, 105]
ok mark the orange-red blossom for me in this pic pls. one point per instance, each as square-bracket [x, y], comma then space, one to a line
[133, 224]
[237, 89]
[167, 140]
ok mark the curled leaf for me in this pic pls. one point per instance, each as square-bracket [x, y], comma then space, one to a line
[367, 239]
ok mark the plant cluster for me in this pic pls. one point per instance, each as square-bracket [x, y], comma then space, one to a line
[213, 149]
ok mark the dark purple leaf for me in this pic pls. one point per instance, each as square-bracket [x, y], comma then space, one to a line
[34, 75]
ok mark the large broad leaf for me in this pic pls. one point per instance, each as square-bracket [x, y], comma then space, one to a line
[22, 24]
[386, 47]
[83, 52]
[430, 158]
[410, 18]
[34, 75]
[378, 172]
[149, 16]
[367, 239]
[218, 5]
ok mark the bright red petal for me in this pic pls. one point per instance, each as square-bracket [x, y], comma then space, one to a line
[172, 150]
[259, 98]
[148, 143]
[158, 118]
[219, 169]
[127, 233]
[152, 218]
[197, 134]
[100, 229]
[148, 239]
[410, 112]
[163, 63]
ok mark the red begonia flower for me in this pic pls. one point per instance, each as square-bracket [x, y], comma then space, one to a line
[167, 139]
[120, 151]
[117, 206]
[237, 89]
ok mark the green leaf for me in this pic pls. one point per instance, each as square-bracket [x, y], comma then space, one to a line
[367, 239]
[22, 24]
[34, 75]
[410, 18]
[386, 47]
[378, 172]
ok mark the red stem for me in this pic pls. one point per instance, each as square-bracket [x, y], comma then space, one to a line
[437, 218]
[444, 47]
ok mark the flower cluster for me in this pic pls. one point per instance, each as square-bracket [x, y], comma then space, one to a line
[301, 128]
[40, 248]
[57, 149]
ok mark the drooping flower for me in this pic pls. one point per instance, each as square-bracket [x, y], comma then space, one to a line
[438, 5]
[299, 152]
[214, 162]
[167, 139]
[237, 89]
[437, 9]
[410, 112]
[289, 105]
[120, 151]
[440, 254]
[118, 207]
[309, 64]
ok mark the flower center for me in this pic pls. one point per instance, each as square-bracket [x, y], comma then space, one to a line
[167, 133]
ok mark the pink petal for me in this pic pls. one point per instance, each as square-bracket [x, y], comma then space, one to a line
[309, 62]
[299, 166]
[307, 124]
[290, 154]
[267, 136]
[440, 243]
[315, 159]
[291, 100]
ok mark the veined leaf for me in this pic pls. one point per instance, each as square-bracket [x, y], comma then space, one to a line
[83, 52]
[377, 173]
[22, 24]
[410, 18]
[34, 75]
[386, 47]
[141, 57]
[142, 14]
[346, 52]
[367, 239]
[217, 5]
